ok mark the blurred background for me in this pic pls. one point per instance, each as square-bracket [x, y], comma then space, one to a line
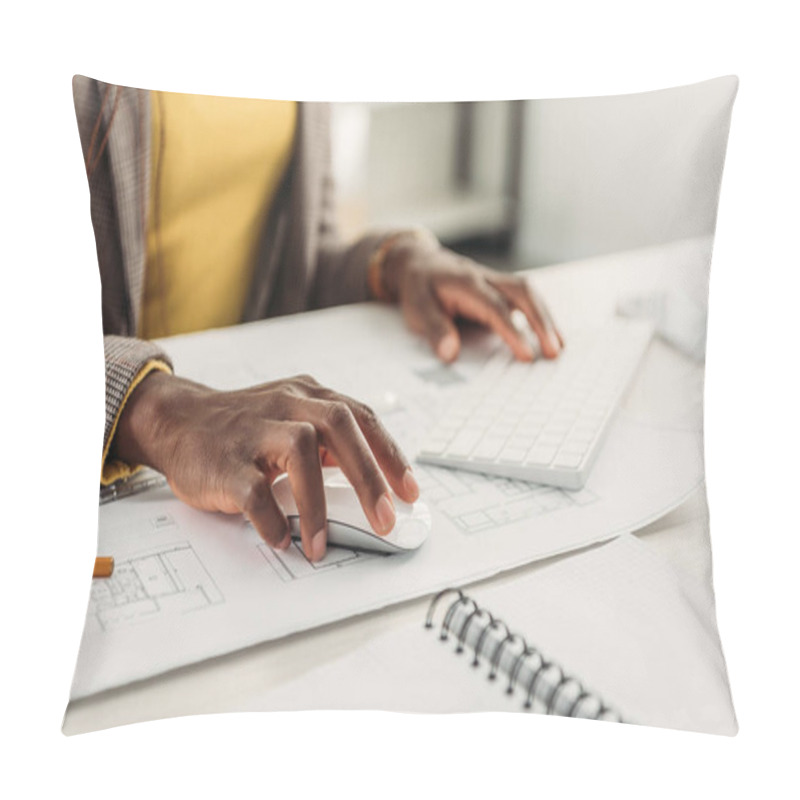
[520, 184]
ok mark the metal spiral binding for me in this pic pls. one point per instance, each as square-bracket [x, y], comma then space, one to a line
[462, 634]
[523, 657]
[493, 625]
[478, 616]
[498, 652]
[544, 667]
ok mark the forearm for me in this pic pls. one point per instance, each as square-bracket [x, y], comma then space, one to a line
[341, 271]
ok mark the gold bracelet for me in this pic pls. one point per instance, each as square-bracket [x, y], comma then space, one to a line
[376, 262]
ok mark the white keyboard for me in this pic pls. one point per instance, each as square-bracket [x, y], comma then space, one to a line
[543, 422]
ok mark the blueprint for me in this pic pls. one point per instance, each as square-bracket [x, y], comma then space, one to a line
[152, 584]
[190, 585]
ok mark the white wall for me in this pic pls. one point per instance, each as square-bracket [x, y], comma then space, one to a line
[612, 173]
[395, 165]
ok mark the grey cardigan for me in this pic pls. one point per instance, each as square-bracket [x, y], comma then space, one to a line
[301, 262]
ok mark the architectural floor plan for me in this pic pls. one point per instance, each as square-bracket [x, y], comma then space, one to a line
[141, 587]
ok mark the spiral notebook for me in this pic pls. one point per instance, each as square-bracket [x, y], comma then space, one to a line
[609, 633]
[543, 684]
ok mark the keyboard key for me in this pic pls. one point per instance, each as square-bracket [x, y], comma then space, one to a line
[489, 448]
[525, 442]
[559, 429]
[435, 447]
[502, 428]
[464, 443]
[541, 455]
[513, 455]
[548, 437]
[568, 460]
[528, 430]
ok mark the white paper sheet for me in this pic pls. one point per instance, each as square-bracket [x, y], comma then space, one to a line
[613, 616]
[190, 585]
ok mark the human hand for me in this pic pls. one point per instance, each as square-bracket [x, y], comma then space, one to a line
[221, 451]
[435, 286]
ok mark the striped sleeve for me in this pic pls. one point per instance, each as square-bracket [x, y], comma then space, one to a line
[128, 362]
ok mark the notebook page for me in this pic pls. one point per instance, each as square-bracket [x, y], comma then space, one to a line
[613, 616]
[617, 617]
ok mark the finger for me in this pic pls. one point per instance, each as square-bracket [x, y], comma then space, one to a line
[536, 313]
[253, 497]
[340, 433]
[480, 301]
[326, 458]
[299, 444]
[424, 315]
[544, 312]
[390, 457]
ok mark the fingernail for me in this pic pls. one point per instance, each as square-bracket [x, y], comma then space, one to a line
[410, 485]
[448, 347]
[554, 340]
[384, 511]
[527, 351]
[318, 545]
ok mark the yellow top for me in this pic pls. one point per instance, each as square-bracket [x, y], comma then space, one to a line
[216, 164]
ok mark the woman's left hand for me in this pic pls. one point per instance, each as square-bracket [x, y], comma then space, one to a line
[435, 286]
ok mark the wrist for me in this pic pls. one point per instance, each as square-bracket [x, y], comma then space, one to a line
[147, 426]
[394, 257]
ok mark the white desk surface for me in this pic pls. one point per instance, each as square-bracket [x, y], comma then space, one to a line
[227, 683]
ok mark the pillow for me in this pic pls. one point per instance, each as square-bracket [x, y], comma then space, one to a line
[579, 232]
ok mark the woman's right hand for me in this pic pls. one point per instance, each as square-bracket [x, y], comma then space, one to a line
[221, 451]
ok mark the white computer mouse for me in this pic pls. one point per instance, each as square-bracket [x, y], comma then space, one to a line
[347, 523]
